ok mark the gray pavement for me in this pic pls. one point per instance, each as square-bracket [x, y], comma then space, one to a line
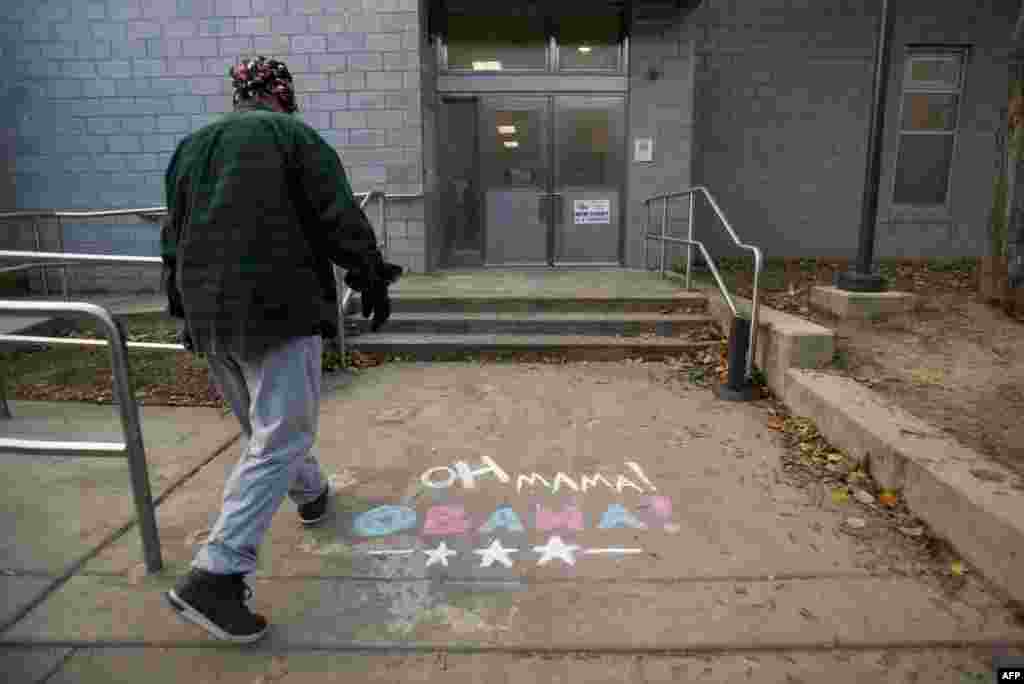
[631, 529]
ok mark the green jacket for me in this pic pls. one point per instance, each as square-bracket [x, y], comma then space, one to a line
[258, 206]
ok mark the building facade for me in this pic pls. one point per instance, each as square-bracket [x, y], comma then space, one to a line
[525, 133]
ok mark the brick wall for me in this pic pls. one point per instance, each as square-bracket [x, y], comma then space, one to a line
[103, 91]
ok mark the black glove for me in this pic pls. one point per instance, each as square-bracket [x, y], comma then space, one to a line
[372, 285]
[183, 336]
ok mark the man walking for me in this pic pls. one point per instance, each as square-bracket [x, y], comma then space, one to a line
[257, 204]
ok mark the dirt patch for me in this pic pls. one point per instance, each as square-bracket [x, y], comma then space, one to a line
[955, 362]
[74, 373]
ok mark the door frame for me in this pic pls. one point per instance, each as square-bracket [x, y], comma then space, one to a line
[480, 87]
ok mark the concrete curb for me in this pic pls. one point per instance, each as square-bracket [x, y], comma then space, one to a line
[783, 341]
[982, 518]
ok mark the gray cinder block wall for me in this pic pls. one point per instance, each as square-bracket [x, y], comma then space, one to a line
[783, 101]
[103, 91]
[661, 92]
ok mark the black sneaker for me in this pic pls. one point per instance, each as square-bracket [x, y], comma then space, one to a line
[217, 604]
[316, 510]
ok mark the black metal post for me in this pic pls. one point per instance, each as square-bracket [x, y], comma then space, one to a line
[863, 278]
[736, 387]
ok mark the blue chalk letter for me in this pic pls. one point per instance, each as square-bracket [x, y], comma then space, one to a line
[503, 517]
[618, 516]
[384, 520]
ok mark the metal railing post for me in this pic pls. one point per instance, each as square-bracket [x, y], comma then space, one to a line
[754, 312]
[341, 288]
[664, 227]
[60, 248]
[384, 226]
[689, 247]
[647, 232]
[39, 248]
[132, 426]
[5, 410]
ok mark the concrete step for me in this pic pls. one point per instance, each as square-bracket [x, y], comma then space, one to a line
[572, 347]
[502, 323]
[681, 303]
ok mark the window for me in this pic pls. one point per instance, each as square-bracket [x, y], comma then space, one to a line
[483, 43]
[932, 88]
[502, 43]
[589, 43]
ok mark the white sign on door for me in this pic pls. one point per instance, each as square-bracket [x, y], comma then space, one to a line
[592, 211]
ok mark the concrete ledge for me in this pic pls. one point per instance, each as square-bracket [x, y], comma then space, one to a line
[983, 519]
[861, 305]
[783, 341]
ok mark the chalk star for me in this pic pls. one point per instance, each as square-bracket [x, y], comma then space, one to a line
[556, 548]
[439, 555]
[495, 552]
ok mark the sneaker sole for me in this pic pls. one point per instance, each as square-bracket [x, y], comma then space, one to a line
[192, 615]
[314, 521]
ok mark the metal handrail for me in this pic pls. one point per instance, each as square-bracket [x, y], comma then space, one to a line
[690, 242]
[43, 259]
[132, 447]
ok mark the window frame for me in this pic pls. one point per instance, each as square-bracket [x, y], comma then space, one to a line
[551, 68]
[917, 53]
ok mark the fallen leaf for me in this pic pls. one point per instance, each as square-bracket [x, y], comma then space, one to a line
[888, 498]
[840, 495]
[927, 376]
[776, 423]
[957, 568]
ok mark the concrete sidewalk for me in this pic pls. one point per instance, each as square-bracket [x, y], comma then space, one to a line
[631, 530]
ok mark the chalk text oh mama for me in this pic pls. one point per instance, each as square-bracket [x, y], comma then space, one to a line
[462, 473]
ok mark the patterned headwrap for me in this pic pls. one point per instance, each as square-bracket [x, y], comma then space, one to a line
[261, 76]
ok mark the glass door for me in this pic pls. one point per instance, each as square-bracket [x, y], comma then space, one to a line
[460, 182]
[515, 177]
[589, 177]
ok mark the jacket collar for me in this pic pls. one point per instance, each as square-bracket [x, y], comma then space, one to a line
[251, 106]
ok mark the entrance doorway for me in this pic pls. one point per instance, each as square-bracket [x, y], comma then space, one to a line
[533, 180]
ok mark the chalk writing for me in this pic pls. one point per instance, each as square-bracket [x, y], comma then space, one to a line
[469, 475]
[443, 477]
[570, 518]
[556, 548]
[503, 518]
[384, 520]
[636, 469]
[444, 520]
[428, 481]
[495, 553]
[439, 555]
[618, 516]
[452, 519]
[624, 481]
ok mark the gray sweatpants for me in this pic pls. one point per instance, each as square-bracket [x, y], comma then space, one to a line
[276, 399]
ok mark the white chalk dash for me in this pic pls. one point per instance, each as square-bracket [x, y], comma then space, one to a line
[612, 552]
[391, 552]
